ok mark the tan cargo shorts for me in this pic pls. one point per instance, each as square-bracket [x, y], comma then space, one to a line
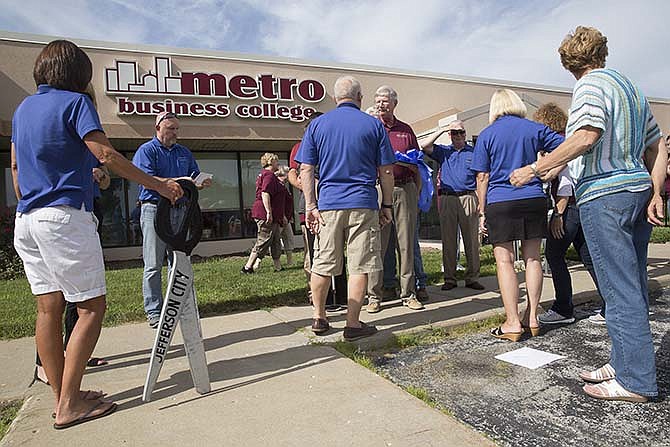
[359, 229]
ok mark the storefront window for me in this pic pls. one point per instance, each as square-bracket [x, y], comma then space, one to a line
[220, 203]
[250, 167]
[224, 215]
[113, 230]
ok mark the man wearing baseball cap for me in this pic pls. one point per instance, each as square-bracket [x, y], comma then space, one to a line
[457, 203]
[162, 157]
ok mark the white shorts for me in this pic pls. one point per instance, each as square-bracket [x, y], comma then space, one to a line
[61, 251]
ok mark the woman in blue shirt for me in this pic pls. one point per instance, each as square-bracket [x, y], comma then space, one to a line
[53, 132]
[509, 213]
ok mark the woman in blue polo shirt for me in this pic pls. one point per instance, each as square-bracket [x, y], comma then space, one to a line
[53, 133]
[509, 213]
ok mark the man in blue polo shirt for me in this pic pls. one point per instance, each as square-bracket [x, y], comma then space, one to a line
[457, 203]
[352, 149]
[162, 157]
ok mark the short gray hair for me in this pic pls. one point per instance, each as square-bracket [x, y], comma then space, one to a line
[388, 91]
[347, 87]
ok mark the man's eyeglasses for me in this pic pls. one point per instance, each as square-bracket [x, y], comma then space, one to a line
[457, 132]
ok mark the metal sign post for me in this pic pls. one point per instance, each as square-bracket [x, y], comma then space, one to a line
[180, 304]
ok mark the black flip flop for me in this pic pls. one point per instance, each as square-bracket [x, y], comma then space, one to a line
[96, 361]
[88, 417]
[86, 393]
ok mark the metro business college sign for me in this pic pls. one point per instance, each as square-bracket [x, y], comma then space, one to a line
[275, 94]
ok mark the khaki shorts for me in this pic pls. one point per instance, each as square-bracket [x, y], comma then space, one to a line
[359, 228]
[61, 251]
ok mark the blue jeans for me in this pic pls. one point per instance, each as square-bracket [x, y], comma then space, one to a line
[153, 254]
[617, 233]
[555, 252]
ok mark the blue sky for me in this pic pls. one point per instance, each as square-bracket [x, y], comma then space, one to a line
[502, 39]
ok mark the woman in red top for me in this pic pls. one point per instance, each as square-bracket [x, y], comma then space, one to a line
[268, 212]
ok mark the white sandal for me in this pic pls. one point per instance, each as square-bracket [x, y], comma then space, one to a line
[612, 390]
[599, 375]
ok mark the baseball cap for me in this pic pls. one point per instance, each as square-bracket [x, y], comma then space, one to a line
[456, 125]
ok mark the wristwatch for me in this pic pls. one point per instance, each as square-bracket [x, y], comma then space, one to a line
[533, 167]
[556, 213]
[384, 205]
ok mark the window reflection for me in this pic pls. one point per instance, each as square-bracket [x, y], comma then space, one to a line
[220, 203]
[114, 220]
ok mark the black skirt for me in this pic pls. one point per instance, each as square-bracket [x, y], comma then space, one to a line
[517, 220]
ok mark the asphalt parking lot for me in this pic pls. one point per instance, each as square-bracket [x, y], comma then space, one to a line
[517, 406]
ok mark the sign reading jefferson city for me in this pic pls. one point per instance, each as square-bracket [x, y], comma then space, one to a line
[274, 93]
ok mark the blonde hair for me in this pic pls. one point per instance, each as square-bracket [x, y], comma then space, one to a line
[552, 116]
[268, 158]
[585, 48]
[506, 102]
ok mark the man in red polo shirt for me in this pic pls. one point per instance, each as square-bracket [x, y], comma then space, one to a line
[405, 205]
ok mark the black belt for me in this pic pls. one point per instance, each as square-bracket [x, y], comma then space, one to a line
[444, 192]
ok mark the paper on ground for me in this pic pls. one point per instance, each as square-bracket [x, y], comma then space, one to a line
[529, 357]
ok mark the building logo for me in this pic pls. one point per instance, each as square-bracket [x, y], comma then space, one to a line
[125, 79]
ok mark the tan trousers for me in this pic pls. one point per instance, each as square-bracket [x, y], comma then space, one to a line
[455, 212]
[405, 209]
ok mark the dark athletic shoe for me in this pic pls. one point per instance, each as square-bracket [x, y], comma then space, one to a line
[246, 271]
[354, 333]
[475, 285]
[422, 295]
[448, 286]
[154, 320]
[553, 317]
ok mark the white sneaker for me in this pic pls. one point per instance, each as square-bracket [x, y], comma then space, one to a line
[597, 319]
[460, 268]
[257, 264]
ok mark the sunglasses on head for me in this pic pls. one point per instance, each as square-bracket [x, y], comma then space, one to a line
[457, 132]
[166, 117]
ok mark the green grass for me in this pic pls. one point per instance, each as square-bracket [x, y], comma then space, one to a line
[432, 264]
[352, 351]
[220, 287]
[8, 411]
[660, 235]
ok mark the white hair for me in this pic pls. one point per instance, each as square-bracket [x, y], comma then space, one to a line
[347, 87]
[388, 91]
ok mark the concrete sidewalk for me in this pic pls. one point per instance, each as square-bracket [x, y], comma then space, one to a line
[270, 384]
